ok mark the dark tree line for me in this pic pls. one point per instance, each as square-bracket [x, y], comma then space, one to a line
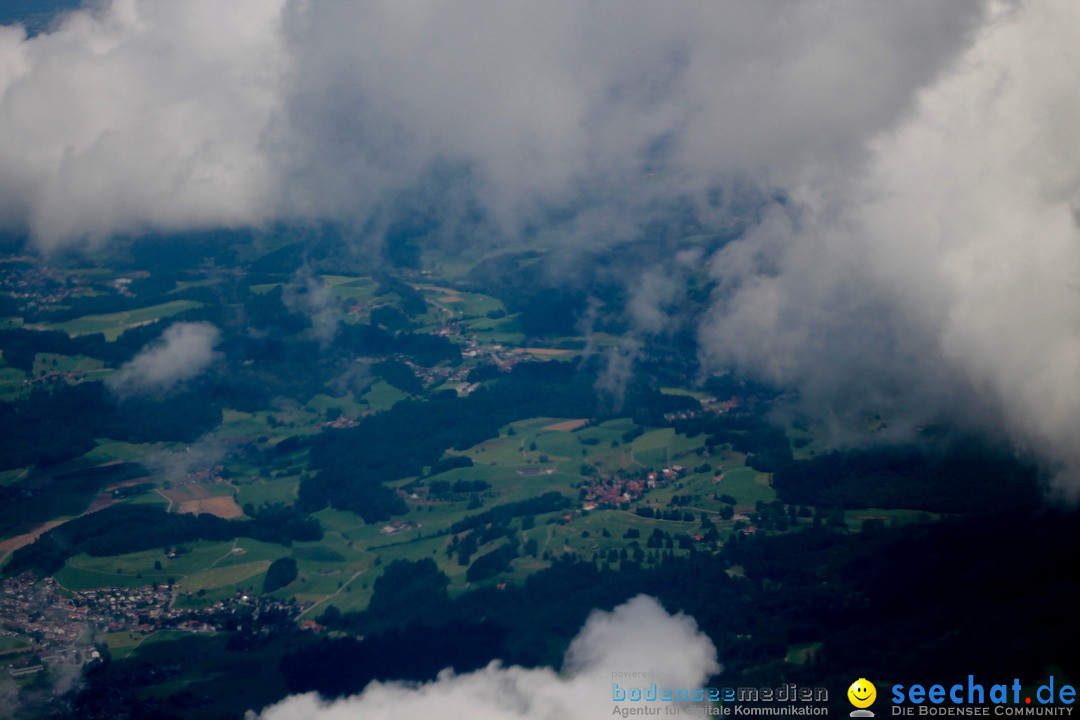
[130, 528]
[966, 476]
[54, 424]
[280, 573]
[766, 445]
[41, 497]
[1002, 606]
[502, 514]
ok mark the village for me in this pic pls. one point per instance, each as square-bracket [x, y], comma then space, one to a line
[34, 286]
[619, 491]
[58, 626]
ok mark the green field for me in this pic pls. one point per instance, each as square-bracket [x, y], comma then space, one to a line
[502, 330]
[12, 644]
[110, 450]
[257, 490]
[121, 644]
[346, 404]
[207, 565]
[382, 396]
[341, 568]
[92, 368]
[351, 289]
[12, 383]
[113, 325]
[456, 304]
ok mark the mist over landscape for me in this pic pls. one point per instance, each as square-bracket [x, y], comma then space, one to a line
[394, 316]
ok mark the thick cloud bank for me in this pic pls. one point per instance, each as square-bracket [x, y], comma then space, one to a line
[949, 264]
[183, 352]
[141, 114]
[924, 255]
[636, 637]
[152, 114]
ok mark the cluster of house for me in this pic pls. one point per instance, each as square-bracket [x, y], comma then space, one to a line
[398, 526]
[614, 492]
[56, 630]
[709, 406]
[497, 354]
[204, 475]
[617, 491]
[37, 286]
[342, 421]
[72, 376]
[59, 624]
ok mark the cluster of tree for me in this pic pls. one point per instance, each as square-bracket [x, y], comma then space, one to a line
[412, 300]
[802, 587]
[1001, 572]
[280, 573]
[660, 514]
[454, 462]
[482, 373]
[659, 539]
[399, 375]
[389, 317]
[185, 251]
[492, 563]
[344, 666]
[268, 312]
[130, 528]
[50, 425]
[424, 349]
[353, 463]
[46, 495]
[20, 346]
[444, 489]
[58, 423]
[766, 445]
[780, 517]
[502, 514]
[103, 303]
[965, 476]
[863, 597]
[466, 545]
[402, 587]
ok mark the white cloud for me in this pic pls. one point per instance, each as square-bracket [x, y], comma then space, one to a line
[140, 114]
[950, 263]
[205, 452]
[638, 636]
[925, 258]
[308, 295]
[184, 351]
[150, 114]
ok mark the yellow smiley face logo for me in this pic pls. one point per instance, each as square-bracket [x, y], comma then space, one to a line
[862, 693]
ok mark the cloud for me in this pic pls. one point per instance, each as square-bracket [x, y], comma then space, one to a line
[947, 267]
[138, 115]
[144, 114]
[184, 351]
[916, 252]
[308, 295]
[638, 636]
[205, 452]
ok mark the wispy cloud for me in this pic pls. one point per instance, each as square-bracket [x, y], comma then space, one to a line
[182, 352]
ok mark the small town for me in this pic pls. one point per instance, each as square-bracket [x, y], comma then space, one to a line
[58, 626]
